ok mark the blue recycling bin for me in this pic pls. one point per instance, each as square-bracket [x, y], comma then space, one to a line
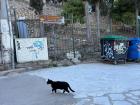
[134, 49]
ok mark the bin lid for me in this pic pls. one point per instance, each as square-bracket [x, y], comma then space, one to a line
[114, 37]
[134, 39]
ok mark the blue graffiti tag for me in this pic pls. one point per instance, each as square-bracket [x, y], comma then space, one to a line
[38, 44]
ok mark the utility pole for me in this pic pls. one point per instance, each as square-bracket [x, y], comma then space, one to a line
[6, 34]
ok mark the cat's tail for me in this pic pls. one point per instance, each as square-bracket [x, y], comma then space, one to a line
[71, 89]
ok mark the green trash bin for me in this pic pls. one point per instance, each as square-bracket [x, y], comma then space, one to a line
[114, 48]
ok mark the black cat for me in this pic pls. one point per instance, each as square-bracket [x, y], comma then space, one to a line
[59, 85]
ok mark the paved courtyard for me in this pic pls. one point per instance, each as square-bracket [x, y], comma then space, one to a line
[95, 84]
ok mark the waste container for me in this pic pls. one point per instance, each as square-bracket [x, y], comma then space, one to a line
[114, 48]
[134, 49]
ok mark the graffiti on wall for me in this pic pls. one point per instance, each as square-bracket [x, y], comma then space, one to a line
[108, 51]
[35, 48]
[38, 45]
[31, 49]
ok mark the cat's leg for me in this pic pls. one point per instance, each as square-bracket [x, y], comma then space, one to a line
[52, 90]
[67, 90]
[63, 91]
[55, 90]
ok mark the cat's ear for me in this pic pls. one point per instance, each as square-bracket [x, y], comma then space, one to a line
[48, 79]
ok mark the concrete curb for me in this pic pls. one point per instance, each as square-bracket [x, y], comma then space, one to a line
[26, 69]
[19, 70]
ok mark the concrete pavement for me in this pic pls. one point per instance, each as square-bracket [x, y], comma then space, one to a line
[30, 90]
[21, 89]
[131, 97]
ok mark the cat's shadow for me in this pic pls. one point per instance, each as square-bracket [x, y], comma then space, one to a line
[60, 93]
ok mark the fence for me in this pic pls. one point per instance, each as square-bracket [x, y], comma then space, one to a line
[72, 38]
[62, 39]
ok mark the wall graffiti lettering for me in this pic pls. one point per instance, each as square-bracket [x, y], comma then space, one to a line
[30, 47]
[35, 47]
[35, 53]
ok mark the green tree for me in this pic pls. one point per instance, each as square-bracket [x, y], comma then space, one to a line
[106, 9]
[120, 8]
[137, 10]
[37, 5]
[110, 6]
[124, 7]
[75, 8]
[103, 7]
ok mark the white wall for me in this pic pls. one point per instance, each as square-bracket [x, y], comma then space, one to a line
[6, 33]
[31, 49]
